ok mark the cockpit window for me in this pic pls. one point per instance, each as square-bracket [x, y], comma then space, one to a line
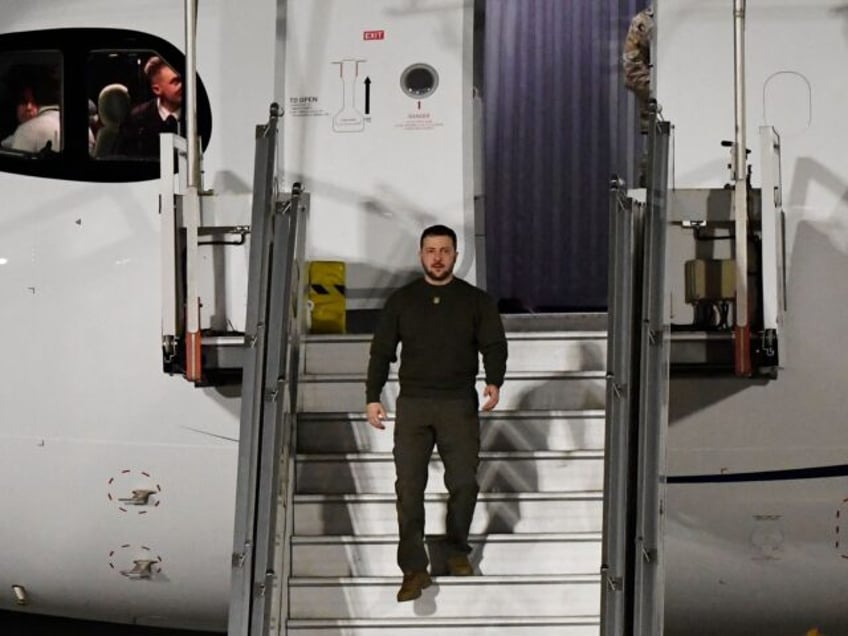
[90, 104]
[30, 103]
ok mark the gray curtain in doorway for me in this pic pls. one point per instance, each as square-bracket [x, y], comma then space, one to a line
[558, 123]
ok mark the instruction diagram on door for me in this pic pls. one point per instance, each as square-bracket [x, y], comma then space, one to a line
[351, 117]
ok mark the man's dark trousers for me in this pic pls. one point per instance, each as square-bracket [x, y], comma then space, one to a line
[453, 426]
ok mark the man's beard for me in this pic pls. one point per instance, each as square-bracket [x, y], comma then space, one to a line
[434, 275]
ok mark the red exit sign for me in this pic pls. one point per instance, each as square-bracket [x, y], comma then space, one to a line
[374, 35]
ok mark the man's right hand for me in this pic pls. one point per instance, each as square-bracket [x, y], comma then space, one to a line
[376, 414]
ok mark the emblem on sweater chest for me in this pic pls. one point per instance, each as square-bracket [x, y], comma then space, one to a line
[436, 300]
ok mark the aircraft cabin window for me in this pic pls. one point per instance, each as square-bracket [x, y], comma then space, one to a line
[133, 96]
[30, 104]
[90, 104]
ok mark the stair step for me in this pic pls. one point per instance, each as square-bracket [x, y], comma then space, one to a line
[549, 626]
[563, 350]
[536, 531]
[495, 554]
[567, 351]
[499, 431]
[429, 626]
[490, 596]
[565, 390]
[494, 513]
[520, 471]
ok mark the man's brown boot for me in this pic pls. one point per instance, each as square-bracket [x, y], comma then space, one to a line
[459, 565]
[413, 583]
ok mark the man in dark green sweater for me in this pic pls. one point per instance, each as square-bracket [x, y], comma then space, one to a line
[442, 323]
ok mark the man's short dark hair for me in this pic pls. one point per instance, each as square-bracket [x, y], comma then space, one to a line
[152, 67]
[438, 230]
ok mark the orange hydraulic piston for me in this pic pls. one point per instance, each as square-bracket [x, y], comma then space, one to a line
[194, 370]
[742, 351]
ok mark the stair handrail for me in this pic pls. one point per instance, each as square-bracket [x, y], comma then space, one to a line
[632, 554]
[274, 327]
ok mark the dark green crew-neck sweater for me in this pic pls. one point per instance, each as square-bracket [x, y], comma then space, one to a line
[441, 329]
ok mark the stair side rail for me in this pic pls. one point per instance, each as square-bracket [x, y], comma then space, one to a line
[649, 563]
[624, 307]
[275, 488]
[274, 325]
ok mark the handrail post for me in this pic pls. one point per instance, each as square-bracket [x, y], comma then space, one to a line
[742, 330]
[190, 94]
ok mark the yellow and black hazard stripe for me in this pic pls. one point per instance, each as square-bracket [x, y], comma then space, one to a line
[326, 290]
[327, 293]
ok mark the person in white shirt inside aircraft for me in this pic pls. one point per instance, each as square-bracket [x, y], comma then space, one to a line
[25, 109]
[38, 114]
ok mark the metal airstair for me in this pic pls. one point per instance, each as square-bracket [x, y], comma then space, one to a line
[537, 526]
[315, 535]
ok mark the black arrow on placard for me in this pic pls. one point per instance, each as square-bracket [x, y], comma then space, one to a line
[367, 95]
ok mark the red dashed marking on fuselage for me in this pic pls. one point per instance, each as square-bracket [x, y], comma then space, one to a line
[128, 471]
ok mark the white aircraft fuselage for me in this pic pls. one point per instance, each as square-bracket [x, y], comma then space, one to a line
[87, 415]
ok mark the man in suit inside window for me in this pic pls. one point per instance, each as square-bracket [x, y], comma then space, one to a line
[160, 114]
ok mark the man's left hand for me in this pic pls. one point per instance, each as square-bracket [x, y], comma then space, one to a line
[493, 394]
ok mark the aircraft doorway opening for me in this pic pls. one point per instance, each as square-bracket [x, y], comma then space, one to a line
[557, 123]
